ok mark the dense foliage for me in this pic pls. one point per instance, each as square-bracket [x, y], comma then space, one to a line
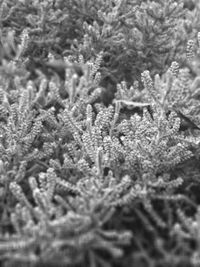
[99, 133]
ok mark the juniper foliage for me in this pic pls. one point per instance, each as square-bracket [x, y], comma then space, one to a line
[99, 133]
